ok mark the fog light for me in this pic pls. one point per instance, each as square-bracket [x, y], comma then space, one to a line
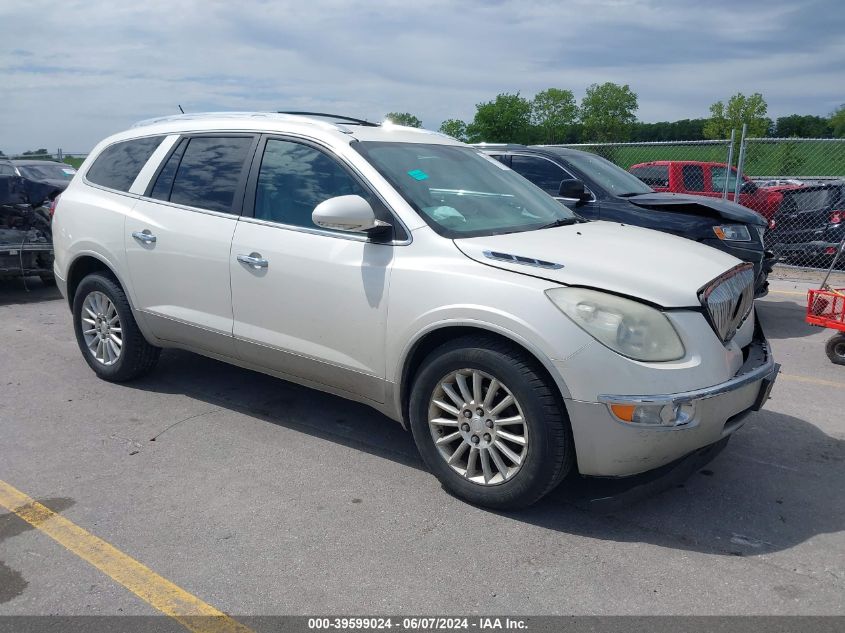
[654, 414]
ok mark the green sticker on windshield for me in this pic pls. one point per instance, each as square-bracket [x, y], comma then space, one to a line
[418, 174]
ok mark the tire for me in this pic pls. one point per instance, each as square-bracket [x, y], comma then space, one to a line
[136, 356]
[835, 349]
[547, 454]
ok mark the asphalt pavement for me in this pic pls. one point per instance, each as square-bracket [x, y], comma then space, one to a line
[261, 497]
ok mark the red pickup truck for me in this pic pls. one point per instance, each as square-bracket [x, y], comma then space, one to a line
[708, 179]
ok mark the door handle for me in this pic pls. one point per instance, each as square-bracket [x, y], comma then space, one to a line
[144, 236]
[253, 259]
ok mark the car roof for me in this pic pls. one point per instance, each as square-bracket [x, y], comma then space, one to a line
[35, 161]
[316, 126]
[540, 150]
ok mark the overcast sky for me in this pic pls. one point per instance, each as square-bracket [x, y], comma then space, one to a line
[73, 72]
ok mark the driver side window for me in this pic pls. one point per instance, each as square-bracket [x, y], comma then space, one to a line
[295, 178]
[543, 173]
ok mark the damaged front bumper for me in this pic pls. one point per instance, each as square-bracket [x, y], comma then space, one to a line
[23, 259]
[670, 425]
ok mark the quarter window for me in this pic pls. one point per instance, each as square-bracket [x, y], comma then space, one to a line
[294, 178]
[164, 182]
[543, 173]
[118, 165]
[693, 177]
[208, 174]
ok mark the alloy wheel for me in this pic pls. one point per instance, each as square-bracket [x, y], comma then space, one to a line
[101, 328]
[478, 427]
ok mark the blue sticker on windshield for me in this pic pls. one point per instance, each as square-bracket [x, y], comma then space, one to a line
[418, 174]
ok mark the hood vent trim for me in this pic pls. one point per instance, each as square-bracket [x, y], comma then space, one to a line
[518, 259]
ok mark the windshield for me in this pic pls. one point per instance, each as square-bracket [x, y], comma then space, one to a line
[47, 171]
[461, 192]
[615, 180]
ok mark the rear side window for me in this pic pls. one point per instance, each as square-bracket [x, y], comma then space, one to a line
[6, 169]
[693, 177]
[118, 165]
[208, 174]
[653, 175]
[164, 182]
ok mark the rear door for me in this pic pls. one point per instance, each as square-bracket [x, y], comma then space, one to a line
[178, 238]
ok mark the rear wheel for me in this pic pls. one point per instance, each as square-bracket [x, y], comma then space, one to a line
[488, 425]
[106, 331]
[835, 349]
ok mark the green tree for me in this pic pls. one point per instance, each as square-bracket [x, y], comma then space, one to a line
[403, 118]
[455, 128]
[803, 126]
[506, 119]
[789, 160]
[35, 152]
[608, 112]
[682, 130]
[554, 111]
[750, 110]
[837, 122]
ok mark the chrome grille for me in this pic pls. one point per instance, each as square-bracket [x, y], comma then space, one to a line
[728, 300]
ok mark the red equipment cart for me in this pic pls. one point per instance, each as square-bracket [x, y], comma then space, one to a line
[826, 308]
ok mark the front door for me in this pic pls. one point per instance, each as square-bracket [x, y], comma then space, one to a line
[308, 302]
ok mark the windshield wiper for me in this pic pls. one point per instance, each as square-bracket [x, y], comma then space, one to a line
[562, 222]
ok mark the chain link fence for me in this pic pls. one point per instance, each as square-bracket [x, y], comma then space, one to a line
[797, 184]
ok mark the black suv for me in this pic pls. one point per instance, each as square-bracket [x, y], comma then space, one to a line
[810, 224]
[599, 190]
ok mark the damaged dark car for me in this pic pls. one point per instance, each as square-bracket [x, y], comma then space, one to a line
[26, 241]
[597, 189]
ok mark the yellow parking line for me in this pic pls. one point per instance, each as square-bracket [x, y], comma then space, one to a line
[815, 381]
[187, 609]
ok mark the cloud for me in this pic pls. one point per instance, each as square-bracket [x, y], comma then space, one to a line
[76, 71]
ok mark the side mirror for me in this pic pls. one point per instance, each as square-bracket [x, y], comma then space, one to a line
[573, 189]
[748, 186]
[347, 213]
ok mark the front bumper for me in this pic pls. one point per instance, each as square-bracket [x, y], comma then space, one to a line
[609, 447]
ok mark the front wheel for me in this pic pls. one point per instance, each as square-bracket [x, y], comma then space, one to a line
[106, 331]
[488, 425]
[835, 349]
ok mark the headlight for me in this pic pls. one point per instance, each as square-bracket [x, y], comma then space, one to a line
[631, 328]
[732, 233]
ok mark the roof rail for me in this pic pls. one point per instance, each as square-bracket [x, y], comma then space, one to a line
[236, 115]
[324, 115]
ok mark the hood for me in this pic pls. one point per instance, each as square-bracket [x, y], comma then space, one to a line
[56, 183]
[656, 267]
[715, 207]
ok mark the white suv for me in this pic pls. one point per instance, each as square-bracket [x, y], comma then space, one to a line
[403, 269]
